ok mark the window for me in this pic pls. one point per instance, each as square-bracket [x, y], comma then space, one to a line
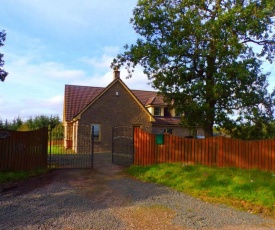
[166, 112]
[97, 131]
[157, 111]
[167, 131]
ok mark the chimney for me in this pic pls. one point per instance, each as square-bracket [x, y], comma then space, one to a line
[116, 73]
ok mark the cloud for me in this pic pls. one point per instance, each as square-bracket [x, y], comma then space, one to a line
[98, 63]
[103, 74]
[30, 107]
[24, 71]
[103, 61]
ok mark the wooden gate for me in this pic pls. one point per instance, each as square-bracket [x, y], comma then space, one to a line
[122, 145]
[71, 147]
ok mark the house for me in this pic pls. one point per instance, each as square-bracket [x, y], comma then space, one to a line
[112, 106]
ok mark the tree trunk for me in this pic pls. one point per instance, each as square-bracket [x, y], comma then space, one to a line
[209, 94]
[208, 129]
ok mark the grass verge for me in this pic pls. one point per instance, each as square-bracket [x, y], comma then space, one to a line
[250, 190]
[13, 176]
[57, 149]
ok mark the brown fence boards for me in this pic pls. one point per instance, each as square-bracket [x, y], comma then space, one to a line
[24, 150]
[215, 151]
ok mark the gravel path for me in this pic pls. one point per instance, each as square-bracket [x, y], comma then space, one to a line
[105, 198]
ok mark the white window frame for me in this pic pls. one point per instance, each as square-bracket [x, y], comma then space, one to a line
[160, 111]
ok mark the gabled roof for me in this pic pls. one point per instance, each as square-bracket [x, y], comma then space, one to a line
[79, 98]
[156, 100]
[143, 95]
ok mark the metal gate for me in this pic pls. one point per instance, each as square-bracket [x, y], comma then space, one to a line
[122, 145]
[71, 147]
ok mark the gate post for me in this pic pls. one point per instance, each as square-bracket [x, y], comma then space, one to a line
[113, 145]
[50, 146]
[93, 146]
[133, 135]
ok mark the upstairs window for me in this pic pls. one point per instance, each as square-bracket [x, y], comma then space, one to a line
[157, 111]
[166, 112]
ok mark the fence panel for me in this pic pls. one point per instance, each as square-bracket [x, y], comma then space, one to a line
[24, 150]
[216, 151]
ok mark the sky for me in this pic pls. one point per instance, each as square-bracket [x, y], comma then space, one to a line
[56, 42]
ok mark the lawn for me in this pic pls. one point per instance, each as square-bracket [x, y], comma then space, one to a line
[13, 176]
[250, 190]
[57, 149]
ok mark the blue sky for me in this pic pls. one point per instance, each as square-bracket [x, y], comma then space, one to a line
[56, 42]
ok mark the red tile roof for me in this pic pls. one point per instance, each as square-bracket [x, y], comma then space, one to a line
[157, 100]
[78, 97]
[167, 120]
[143, 95]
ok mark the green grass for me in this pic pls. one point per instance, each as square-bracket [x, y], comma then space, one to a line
[13, 176]
[57, 149]
[251, 190]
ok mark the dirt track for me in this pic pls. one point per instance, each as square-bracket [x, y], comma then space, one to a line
[106, 198]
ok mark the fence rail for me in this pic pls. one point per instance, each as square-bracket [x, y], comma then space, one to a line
[218, 151]
[24, 150]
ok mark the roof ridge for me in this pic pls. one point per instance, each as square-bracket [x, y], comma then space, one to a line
[85, 86]
[144, 90]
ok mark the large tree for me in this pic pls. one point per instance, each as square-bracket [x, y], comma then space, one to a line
[205, 57]
[3, 73]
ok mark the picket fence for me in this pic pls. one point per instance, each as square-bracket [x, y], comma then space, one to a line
[23, 150]
[215, 151]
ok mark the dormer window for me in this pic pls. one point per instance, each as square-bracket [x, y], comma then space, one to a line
[157, 111]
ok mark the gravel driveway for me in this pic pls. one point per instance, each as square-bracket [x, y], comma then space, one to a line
[106, 198]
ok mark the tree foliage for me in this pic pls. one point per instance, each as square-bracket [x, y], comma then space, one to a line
[205, 57]
[15, 124]
[249, 131]
[37, 122]
[42, 121]
[3, 73]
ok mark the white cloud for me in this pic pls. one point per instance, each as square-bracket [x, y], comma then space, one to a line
[30, 107]
[138, 81]
[98, 63]
[24, 72]
[38, 88]
[108, 53]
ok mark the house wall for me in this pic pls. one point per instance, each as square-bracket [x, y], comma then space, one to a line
[177, 130]
[112, 110]
[68, 130]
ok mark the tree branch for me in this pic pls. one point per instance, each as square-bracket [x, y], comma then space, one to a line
[258, 42]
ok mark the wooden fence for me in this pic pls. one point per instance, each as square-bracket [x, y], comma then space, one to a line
[216, 151]
[23, 150]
